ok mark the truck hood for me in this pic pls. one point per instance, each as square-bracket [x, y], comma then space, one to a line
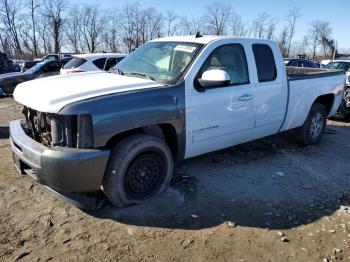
[51, 94]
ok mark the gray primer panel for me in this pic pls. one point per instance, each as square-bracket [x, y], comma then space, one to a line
[116, 113]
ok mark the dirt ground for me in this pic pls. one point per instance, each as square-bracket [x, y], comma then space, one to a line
[269, 200]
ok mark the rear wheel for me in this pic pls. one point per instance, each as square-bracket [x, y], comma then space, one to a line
[140, 167]
[312, 131]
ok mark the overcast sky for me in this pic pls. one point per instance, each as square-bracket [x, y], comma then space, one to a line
[337, 12]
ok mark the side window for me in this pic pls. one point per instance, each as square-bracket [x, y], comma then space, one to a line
[295, 63]
[100, 63]
[52, 67]
[309, 64]
[232, 59]
[110, 63]
[265, 63]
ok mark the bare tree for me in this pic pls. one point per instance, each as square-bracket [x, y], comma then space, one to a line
[271, 28]
[92, 25]
[292, 18]
[54, 13]
[73, 28]
[283, 41]
[216, 17]
[171, 23]
[238, 27]
[259, 25]
[190, 26]
[320, 34]
[29, 32]
[10, 17]
[304, 46]
[314, 36]
[111, 35]
[33, 6]
[43, 26]
[45, 35]
[325, 37]
[130, 22]
[150, 25]
[6, 46]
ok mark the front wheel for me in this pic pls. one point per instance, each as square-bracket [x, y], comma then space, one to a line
[312, 131]
[140, 167]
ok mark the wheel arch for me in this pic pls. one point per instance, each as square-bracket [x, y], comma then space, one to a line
[326, 100]
[163, 131]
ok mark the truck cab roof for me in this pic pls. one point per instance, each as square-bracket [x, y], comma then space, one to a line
[205, 39]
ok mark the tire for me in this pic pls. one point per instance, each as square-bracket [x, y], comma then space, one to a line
[139, 168]
[312, 131]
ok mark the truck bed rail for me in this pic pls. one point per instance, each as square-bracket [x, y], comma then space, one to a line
[297, 73]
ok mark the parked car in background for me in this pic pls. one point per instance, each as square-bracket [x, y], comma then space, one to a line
[28, 64]
[92, 62]
[62, 58]
[16, 65]
[5, 63]
[343, 65]
[9, 81]
[296, 62]
[171, 99]
[319, 65]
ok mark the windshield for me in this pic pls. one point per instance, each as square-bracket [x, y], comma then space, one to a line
[164, 62]
[74, 63]
[338, 65]
[36, 68]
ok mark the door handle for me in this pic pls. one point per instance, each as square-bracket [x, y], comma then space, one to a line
[244, 98]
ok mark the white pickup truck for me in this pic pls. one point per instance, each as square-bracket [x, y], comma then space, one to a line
[173, 98]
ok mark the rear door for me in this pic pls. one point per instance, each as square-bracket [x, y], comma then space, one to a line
[270, 89]
[219, 117]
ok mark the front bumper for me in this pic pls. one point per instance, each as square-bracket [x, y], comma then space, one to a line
[62, 169]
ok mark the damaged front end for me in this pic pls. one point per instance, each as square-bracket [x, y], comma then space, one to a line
[53, 130]
[347, 97]
[344, 109]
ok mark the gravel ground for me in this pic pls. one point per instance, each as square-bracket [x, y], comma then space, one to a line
[268, 200]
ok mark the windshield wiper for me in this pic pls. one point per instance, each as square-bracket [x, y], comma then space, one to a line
[145, 75]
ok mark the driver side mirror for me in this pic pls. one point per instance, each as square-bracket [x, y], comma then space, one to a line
[214, 78]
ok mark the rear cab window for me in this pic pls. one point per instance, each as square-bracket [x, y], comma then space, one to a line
[74, 63]
[265, 63]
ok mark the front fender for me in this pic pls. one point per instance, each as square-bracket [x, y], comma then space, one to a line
[116, 113]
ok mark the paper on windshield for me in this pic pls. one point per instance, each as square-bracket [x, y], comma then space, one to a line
[185, 48]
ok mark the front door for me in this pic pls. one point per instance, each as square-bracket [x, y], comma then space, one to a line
[222, 116]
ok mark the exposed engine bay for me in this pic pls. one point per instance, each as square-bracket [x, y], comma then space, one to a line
[55, 130]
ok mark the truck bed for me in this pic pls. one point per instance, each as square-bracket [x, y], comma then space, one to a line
[295, 73]
[304, 86]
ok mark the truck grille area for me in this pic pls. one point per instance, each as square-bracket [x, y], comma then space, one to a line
[50, 129]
